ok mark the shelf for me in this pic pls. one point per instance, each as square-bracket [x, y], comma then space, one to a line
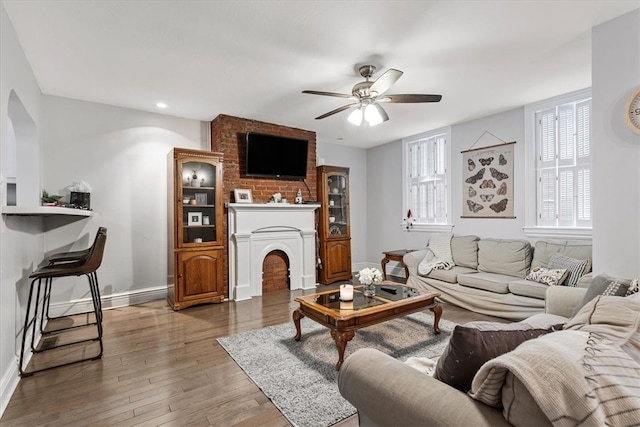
[199, 226]
[198, 188]
[197, 206]
[44, 211]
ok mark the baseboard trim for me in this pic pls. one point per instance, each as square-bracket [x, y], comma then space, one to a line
[8, 385]
[123, 299]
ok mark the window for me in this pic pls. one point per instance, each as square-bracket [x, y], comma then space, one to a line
[427, 180]
[558, 133]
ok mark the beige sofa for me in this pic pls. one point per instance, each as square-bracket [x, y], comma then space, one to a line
[388, 392]
[489, 275]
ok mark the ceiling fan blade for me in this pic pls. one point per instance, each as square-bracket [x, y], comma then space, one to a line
[318, 92]
[410, 98]
[385, 81]
[337, 110]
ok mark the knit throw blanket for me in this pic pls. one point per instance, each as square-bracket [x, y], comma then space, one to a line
[438, 254]
[577, 378]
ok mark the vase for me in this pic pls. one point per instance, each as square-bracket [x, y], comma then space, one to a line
[369, 290]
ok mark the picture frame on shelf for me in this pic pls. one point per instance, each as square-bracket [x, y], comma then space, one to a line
[195, 218]
[242, 195]
[201, 198]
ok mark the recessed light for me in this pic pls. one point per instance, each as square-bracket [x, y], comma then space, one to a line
[161, 105]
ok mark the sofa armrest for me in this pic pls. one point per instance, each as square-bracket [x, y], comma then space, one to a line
[387, 392]
[412, 259]
[561, 300]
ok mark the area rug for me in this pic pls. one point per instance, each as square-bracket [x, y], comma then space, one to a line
[300, 377]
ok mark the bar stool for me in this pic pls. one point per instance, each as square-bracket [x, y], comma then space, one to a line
[45, 275]
[63, 258]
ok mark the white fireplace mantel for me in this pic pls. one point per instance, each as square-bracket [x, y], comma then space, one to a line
[255, 230]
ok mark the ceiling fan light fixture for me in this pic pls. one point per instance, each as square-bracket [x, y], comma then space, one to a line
[372, 115]
[356, 116]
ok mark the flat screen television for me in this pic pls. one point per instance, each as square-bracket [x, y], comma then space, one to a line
[276, 156]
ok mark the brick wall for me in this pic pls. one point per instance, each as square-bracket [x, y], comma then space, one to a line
[228, 137]
[275, 272]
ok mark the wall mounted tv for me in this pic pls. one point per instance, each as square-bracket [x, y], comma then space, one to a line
[276, 156]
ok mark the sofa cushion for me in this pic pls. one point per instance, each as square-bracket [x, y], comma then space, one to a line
[465, 251]
[528, 288]
[603, 284]
[498, 283]
[501, 256]
[469, 348]
[543, 251]
[548, 276]
[615, 318]
[575, 267]
[450, 276]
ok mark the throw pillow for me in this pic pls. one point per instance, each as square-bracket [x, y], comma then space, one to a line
[548, 276]
[575, 267]
[470, 348]
[603, 284]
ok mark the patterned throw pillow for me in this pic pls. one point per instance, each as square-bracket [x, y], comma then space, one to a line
[603, 284]
[548, 276]
[575, 267]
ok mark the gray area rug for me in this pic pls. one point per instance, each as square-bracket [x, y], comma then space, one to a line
[300, 377]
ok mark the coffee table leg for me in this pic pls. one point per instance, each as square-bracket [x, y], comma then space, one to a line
[437, 311]
[297, 315]
[341, 339]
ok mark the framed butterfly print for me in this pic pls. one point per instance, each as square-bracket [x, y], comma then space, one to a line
[487, 182]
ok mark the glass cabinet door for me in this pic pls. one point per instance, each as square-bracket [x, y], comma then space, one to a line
[337, 204]
[197, 195]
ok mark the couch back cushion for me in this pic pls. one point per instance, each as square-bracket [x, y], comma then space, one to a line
[543, 251]
[503, 256]
[465, 251]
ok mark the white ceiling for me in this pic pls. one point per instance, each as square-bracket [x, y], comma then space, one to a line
[252, 59]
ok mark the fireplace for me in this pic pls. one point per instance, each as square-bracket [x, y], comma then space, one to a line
[255, 230]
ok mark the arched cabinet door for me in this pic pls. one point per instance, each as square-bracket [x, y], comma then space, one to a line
[199, 278]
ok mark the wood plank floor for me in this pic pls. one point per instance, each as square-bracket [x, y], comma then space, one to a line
[165, 368]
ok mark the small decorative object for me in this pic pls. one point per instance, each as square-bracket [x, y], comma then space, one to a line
[632, 112]
[197, 240]
[298, 197]
[49, 200]
[193, 202]
[276, 198]
[331, 203]
[369, 277]
[346, 292]
[201, 198]
[335, 190]
[408, 221]
[80, 195]
[195, 182]
[332, 219]
[205, 220]
[195, 218]
[283, 200]
[242, 196]
[185, 200]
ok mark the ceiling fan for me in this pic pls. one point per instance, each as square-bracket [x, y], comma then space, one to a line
[369, 94]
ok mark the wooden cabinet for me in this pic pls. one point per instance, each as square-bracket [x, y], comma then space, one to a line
[195, 212]
[334, 229]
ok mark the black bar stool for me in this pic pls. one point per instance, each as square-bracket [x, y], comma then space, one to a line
[44, 276]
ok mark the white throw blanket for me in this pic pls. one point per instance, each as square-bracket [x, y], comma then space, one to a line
[575, 377]
[438, 256]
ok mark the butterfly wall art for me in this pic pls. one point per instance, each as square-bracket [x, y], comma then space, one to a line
[487, 176]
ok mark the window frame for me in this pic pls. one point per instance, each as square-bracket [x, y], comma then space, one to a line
[415, 225]
[531, 228]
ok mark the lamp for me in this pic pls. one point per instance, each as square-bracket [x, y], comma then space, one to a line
[371, 114]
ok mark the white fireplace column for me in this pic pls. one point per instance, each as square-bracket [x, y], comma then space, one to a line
[255, 230]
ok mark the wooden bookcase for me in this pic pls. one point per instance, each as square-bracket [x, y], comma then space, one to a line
[334, 229]
[195, 235]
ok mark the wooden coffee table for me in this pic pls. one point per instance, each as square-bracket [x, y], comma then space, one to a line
[392, 300]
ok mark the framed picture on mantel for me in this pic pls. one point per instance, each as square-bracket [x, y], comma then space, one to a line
[242, 196]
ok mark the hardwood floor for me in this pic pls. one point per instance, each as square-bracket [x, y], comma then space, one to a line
[162, 367]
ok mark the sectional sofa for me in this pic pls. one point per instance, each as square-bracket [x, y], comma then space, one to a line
[489, 275]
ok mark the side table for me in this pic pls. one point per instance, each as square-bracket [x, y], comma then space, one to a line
[395, 255]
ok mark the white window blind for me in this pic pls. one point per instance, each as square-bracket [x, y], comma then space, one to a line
[563, 165]
[427, 179]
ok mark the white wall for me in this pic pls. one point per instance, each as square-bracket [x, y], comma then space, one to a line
[616, 149]
[20, 238]
[356, 160]
[122, 154]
